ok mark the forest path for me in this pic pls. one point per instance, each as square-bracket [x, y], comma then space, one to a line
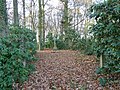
[63, 70]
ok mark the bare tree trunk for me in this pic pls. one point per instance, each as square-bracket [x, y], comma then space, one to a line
[77, 20]
[102, 59]
[43, 18]
[16, 16]
[66, 15]
[74, 15]
[40, 24]
[55, 33]
[55, 46]
[5, 12]
[24, 21]
[3, 18]
[31, 14]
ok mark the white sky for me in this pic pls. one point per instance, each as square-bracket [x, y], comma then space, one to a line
[54, 2]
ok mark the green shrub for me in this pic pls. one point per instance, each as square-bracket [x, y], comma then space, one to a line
[71, 40]
[49, 40]
[18, 47]
[60, 44]
[90, 47]
[106, 32]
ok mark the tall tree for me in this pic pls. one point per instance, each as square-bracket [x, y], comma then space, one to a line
[24, 22]
[16, 16]
[40, 24]
[43, 23]
[65, 23]
[74, 13]
[3, 18]
[66, 15]
[33, 15]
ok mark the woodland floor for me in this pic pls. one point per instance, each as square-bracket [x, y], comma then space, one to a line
[65, 70]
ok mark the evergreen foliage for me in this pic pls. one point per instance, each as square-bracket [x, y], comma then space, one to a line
[17, 47]
[106, 32]
[49, 40]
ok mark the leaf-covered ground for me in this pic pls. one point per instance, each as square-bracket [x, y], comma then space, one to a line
[65, 70]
